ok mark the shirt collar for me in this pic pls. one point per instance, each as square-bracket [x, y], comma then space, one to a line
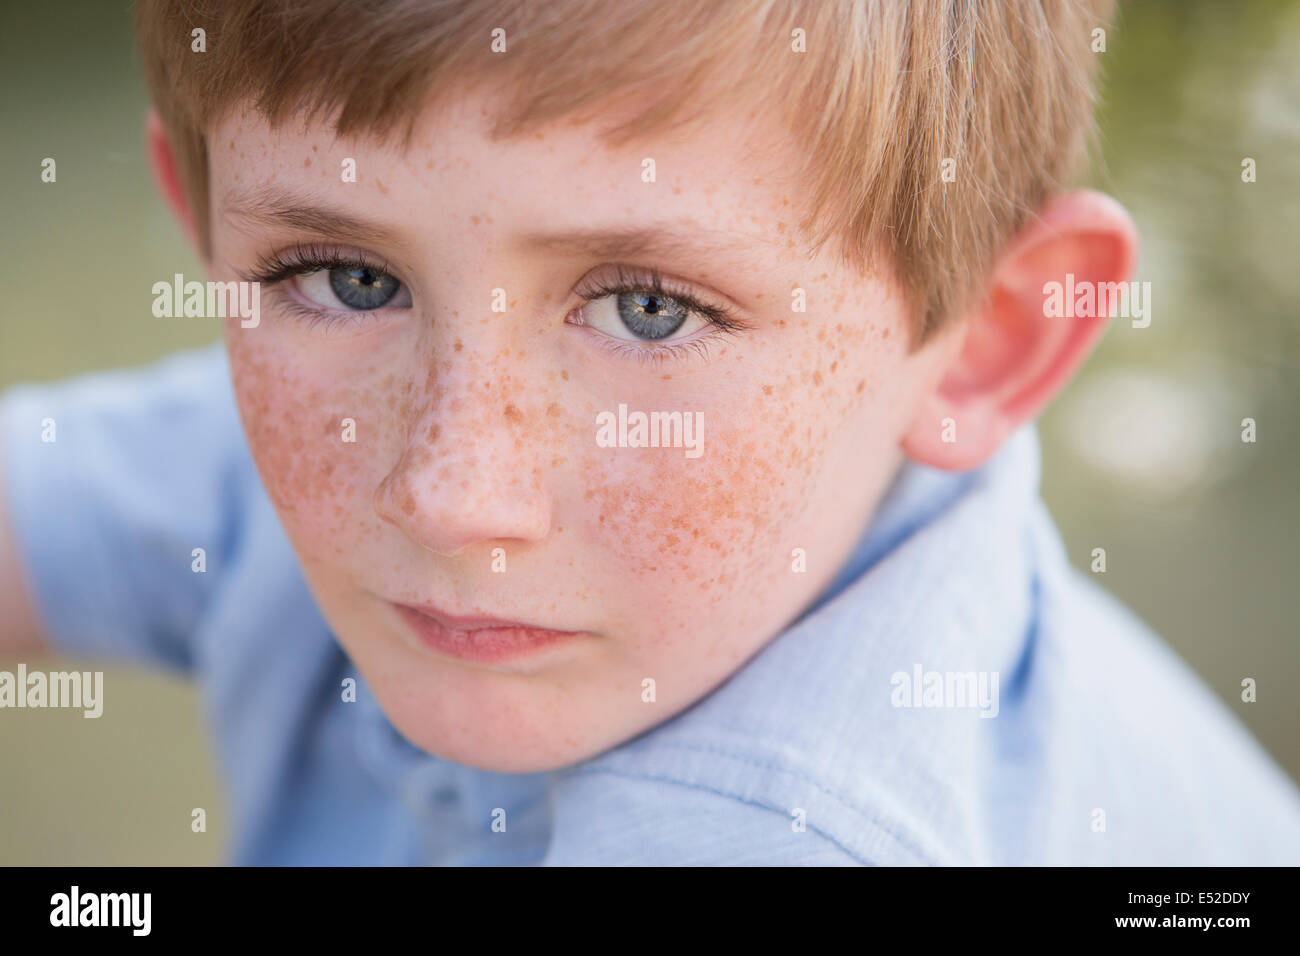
[919, 494]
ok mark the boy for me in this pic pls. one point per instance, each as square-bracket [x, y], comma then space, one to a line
[622, 451]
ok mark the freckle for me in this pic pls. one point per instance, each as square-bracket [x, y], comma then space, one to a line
[474, 220]
[512, 413]
[232, 145]
[564, 375]
[553, 410]
[817, 377]
[861, 385]
[313, 147]
[458, 346]
[758, 182]
[382, 188]
[428, 164]
[767, 389]
[834, 366]
[677, 190]
[306, 162]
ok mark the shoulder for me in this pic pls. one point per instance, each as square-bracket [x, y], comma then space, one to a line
[1186, 779]
[174, 415]
[603, 815]
[121, 487]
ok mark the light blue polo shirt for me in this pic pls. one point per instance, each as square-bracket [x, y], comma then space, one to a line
[867, 732]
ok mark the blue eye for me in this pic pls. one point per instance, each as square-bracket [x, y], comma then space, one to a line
[644, 316]
[649, 315]
[333, 279]
[356, 288]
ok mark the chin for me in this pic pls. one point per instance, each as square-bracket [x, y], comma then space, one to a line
[489, 721]
[493, 754]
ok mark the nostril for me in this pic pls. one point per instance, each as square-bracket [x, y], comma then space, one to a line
[395, 495]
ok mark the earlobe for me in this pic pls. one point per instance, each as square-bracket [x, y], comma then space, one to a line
[1019, 352]
[951, 430]
[162, 161]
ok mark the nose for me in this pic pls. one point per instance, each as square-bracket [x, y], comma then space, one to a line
[470, 471]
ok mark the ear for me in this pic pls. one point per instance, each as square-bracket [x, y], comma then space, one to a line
[162, 160]
[1015, 357]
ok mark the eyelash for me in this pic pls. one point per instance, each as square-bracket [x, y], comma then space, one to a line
[271, 271]
[627, 279]
[300, 260]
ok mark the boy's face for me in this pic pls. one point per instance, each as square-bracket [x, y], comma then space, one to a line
[476, 431]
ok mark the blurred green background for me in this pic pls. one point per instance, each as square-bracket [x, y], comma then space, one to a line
[1142, 453]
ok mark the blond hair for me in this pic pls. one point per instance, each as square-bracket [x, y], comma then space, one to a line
[886, 92]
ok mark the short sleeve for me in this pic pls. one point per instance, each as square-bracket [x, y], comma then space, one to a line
[613, 819]
[122, 491]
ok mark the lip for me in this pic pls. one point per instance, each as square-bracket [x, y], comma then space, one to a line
[485, 640]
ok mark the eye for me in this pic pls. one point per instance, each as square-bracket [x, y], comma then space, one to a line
[643, 316]
[632, 305]
[348, 287]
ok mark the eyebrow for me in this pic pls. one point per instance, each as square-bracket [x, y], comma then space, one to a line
[271, 207]
[689, 241]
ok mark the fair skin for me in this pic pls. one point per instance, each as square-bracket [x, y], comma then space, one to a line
[475, 429]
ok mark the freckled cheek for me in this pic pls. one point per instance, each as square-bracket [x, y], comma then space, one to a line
[701, 523]
[712, 527]
[314, 446]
